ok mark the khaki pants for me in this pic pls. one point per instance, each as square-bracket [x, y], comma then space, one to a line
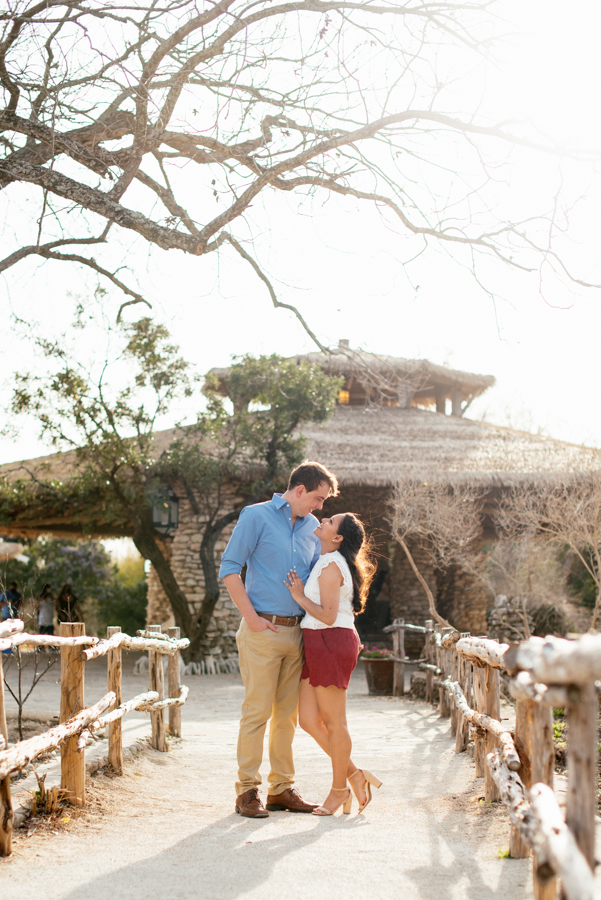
[270, 665]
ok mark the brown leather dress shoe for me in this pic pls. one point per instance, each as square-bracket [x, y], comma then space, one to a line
[291, 800]
[249, 804]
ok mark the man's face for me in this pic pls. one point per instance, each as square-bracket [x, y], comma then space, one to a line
[306, 501]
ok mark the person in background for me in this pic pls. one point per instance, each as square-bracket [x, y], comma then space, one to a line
[15, 599]
[45, 608]
[6, 610]
[67, 607]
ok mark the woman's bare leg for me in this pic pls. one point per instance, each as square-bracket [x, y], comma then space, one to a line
[332, 709]
[310, 720]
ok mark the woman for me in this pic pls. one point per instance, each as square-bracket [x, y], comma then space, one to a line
[335, 592]
[67, 606]
[45, 607]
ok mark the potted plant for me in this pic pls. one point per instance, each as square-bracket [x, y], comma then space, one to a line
[379, 670]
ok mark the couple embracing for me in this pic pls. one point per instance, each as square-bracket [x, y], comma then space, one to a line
[297, 641]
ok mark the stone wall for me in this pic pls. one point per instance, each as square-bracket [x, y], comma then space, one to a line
[183, 551]
[408, 599]
[460, 598]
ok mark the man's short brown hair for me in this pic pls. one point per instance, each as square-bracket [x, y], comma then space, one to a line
[311, 474]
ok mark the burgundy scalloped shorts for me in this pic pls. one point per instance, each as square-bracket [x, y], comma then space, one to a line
[330, 656]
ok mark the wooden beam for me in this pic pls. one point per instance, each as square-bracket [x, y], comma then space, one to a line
[483, 650]
[20, 755]
[553, 660]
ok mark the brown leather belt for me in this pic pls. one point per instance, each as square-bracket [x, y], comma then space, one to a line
[281, 620]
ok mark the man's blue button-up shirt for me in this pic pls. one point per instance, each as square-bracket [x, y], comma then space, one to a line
[265, 540]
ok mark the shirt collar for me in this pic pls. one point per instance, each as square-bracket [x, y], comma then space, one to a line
[279, 503]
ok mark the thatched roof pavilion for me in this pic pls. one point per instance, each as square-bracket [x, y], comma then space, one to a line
[392, 381]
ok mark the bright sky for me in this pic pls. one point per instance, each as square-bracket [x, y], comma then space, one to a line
[341, 265]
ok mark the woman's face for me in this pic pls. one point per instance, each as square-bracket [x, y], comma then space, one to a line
[327, 530]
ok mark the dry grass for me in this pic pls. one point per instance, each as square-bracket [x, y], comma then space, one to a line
[107, 795]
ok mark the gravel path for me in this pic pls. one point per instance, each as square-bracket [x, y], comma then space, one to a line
[168, 828]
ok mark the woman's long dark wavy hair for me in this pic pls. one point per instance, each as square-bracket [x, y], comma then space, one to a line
[356, 549]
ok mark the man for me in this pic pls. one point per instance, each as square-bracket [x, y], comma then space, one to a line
[7, 611]
[271, 539]
[15, 598]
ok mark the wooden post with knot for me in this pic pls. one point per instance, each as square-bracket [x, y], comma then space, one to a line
[6, 805]
[398, 646]
[430, 654]
[173, 683]
[582, 716]
[478, 689]
[462, 734]
[73, 761]
[492, 708]
[114, 672]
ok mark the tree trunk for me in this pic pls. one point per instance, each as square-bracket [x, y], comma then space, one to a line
[147, 546]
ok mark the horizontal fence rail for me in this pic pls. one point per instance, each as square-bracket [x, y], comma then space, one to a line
[78, 722]
[463, 678]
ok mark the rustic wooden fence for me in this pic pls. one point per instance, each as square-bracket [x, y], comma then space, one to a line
[463, 679]
[78, 722]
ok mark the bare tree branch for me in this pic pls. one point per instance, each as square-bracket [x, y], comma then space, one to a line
[164, 102]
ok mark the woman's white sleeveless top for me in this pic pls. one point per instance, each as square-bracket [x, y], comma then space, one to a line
[345, 617]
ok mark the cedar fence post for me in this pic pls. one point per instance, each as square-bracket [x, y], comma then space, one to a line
[478, 686]
[492, 708]
[518, 848]
[6, 804]
[534, 743]
[158, 739]
[430, 658]
[443, 663]
[454, 677]
[73, 762]
[114, 670]
[173, 684]
[582, 713]
[398, 646]
[465, 680]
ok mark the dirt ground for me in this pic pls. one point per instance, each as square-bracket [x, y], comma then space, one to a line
[168, 827]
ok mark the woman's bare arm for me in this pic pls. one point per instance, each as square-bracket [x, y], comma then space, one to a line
[330, 581]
